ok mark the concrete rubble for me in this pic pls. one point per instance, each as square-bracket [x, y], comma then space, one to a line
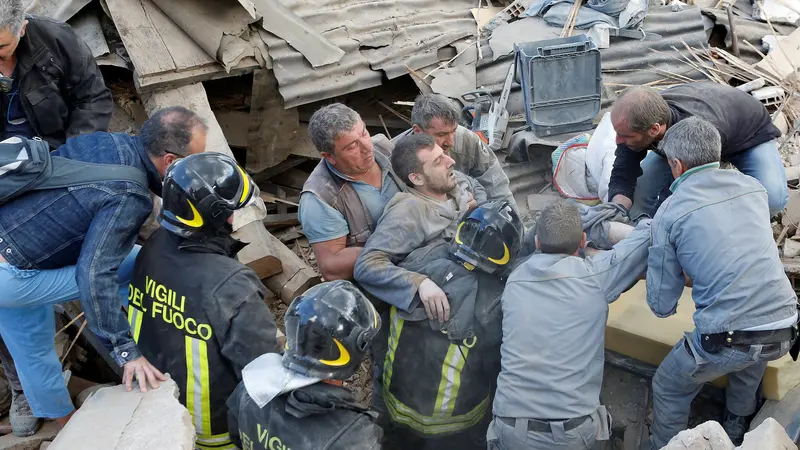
[770, 435]
[130, 421]
[46, 433]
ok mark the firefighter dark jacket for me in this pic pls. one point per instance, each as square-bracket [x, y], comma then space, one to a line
[437, 383]
[198, 314]
[317, 416]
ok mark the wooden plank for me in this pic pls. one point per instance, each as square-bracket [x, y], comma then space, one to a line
[185, 53]
[293, 178]
[141, 37]
[169, 80]
[288, 163]
[281, 220]
[263, 248]
[274, 130]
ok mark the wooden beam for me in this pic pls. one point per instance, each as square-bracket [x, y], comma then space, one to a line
[264, 251]
[293, 178]
[274, 130]
[281, 220]
[288, 163]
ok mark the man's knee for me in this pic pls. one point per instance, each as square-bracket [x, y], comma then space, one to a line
[777, 197]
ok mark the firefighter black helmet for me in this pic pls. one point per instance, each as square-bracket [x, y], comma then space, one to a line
[489, 237]
[200, 194]
[328, 331]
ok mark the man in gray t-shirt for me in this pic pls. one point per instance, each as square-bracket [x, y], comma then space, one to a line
[555, 308]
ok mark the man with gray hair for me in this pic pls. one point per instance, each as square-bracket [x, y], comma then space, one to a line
[344, 196]
[50, 83]
[555, 308]
[438, 117]
[714, 232]
[640, 178]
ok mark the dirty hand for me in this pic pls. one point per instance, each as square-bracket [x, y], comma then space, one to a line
[145, 373]
[471, 203]
[435, 301]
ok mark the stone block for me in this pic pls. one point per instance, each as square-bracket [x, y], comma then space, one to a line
[706, 436]
[769, 435]
[635, 332]
[129, 421]
[47, 432]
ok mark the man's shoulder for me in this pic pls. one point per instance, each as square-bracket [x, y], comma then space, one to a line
[405, 202]
[100, 147]
[49, 30]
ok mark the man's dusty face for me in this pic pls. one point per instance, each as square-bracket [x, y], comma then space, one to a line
[9, 42]
[625, 136]
[353, 153]
[443, 133]
[437, 170]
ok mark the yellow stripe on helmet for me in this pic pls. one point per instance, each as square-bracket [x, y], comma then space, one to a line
[342, 360]
[246, 189]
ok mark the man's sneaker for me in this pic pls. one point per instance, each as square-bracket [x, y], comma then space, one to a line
[23, 422]
[736, 427]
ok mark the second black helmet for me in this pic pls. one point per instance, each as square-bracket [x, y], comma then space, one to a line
[489, 237]
[200, 194]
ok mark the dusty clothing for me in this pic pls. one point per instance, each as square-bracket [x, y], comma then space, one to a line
[199, 314]
[742, 122]
[555, 309]
[333, 205]
[411, 221]
[475, 159]
[459, 359]
[314, 416]
[60, 86]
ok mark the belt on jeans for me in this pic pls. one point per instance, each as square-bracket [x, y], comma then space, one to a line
[543, 426]
[732, 338]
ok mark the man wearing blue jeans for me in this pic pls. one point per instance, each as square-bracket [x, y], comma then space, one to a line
[61, 244]
[715, 230]
[640, 179]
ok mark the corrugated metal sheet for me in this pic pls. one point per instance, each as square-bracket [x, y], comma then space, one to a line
[626, 61]
[379, 36]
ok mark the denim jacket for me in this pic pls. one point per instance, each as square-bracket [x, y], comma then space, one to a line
[93, 226]
[715, 227]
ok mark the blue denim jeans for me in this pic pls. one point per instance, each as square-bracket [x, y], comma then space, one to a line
[762, 162]
[27, 326]
[681, 375]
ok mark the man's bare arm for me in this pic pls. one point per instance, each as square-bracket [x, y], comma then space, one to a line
[335, 260]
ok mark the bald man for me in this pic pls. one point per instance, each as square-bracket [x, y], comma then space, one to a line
[641, 179]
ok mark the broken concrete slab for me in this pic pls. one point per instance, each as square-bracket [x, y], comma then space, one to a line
[454, 81]
[129, 421]
[769, 435]
[791, 215]
[47, 432]
[791, 248]
[706, 436]
[782, 61]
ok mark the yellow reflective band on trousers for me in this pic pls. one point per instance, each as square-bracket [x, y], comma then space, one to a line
[198, 399]
[135, 319]
[442, 420]
[214, 442]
